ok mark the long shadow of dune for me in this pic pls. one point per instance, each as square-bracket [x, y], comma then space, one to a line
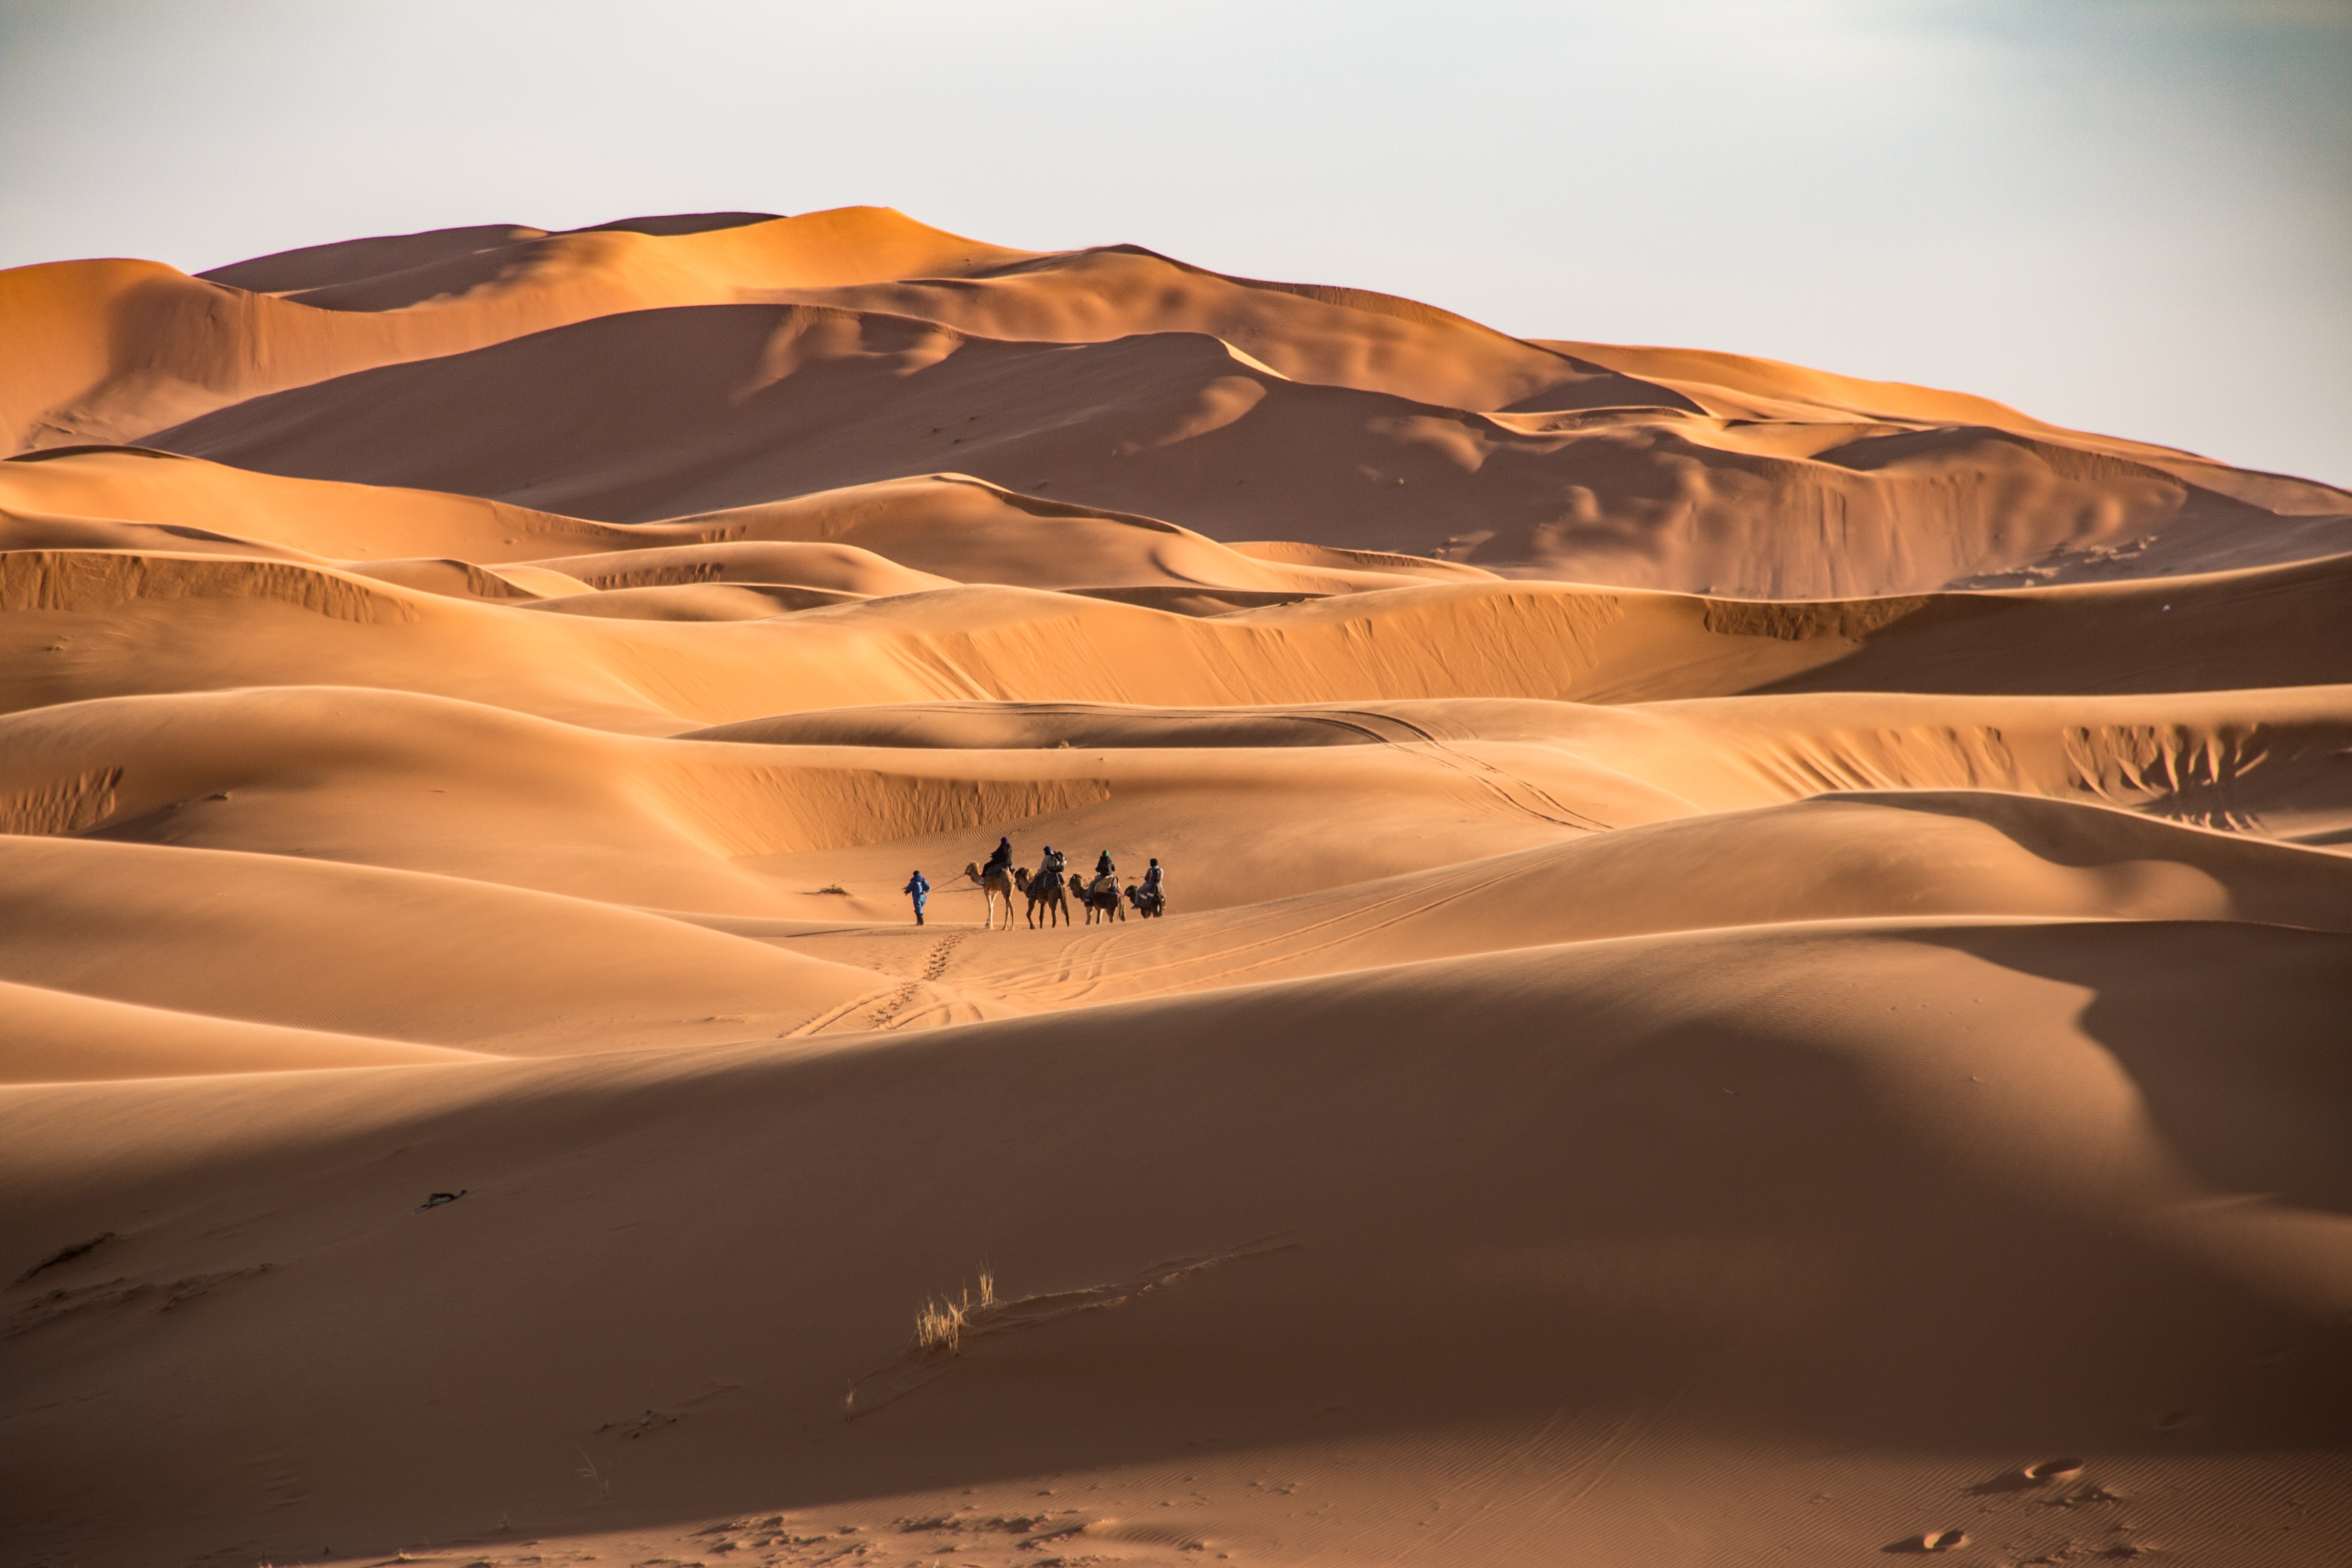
[2233, 1035]
[1646, 1189]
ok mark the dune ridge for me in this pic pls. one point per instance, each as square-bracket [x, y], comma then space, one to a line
[1754, 970]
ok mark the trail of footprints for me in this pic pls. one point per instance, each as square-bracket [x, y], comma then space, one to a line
[885, 1015]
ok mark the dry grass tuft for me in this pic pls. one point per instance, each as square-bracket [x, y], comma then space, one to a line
[939, 1324]
[834, 888]
[939, 1328]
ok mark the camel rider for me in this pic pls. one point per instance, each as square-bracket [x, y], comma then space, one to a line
[1051, 868]
[1000, 862]
[1103, 866]
[1153, 879]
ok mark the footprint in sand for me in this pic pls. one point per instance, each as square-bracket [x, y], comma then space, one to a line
[886, 1015]
[937, 964]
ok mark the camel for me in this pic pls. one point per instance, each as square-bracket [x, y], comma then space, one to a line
[1102, 899]
[1148, 906]
[1043, 890]
[994, 886]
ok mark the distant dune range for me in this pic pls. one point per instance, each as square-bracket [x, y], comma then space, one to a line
[1758, 966]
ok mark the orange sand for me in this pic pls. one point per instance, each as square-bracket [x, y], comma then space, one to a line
[1752, 954]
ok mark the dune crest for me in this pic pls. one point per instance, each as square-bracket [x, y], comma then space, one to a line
[1753, 965]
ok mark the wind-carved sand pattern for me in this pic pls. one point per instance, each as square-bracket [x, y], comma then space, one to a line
[1767, 954]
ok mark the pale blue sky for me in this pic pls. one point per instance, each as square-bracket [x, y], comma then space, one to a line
[2129, 215]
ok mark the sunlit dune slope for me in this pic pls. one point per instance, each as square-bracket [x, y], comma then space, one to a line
[398, 955]
[67, 1037]
[2273, 762]
[349, 522]
[1868, 857]
[1256, 804]
[91, 623]
[944, 527]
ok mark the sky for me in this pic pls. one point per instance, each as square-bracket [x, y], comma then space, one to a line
[2133, 216]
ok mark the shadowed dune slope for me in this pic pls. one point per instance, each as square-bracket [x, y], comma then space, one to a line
[1434, 1200]
[309, 272]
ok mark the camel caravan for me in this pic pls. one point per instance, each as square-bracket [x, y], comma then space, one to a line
[1053, 887]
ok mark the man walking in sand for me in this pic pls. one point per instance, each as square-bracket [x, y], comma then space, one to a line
[917, 889]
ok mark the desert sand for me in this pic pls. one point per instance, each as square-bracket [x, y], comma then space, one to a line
[1759, 965]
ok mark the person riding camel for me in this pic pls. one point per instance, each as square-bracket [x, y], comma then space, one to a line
[1152, 896]
[1051, 868]
[1153, 879]
[1002, 860]
[1104, 867]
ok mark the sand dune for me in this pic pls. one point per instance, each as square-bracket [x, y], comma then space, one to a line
[1755, 968]
[317, 270]
[111, 622]
[60, 1035]
[1655, 467]
[433, 960]
[734, 406]
[1871, 856]
[1731, 1185]
[119, 347]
